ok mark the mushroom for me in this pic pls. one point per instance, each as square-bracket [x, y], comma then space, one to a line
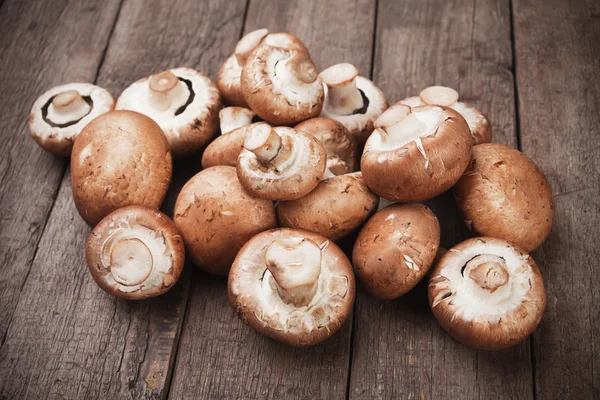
[225, 149]
[352, 100]
[120, 158]
[292, 285]
[280, 163]
[395, 249]
[504, 194]
[480, 127]
[231, 118]
[185, 104]
[416, 153]
[334, 209]
[58, 116]
[339, 144]
[216, 217]
[282, 85]
[135, 253]
[487, 293]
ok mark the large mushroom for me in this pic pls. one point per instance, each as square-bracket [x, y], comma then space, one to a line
[395, 249]
[487, 293]
[120, 158]
[292, 285]
[185, 104]
[216, 217]
[353, 100]
[135, 253]
[416, 153]
[232, 118]
[280, 163]
[504, 194]
[225, 149]
[58, 116]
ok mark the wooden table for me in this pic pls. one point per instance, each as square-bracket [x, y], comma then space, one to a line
[532, 66]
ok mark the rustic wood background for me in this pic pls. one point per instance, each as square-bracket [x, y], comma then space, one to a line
[533, 66]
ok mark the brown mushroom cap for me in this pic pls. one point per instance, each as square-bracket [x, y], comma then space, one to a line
[231, 118]
[416, 153]
[225, 149]
[135, 253]
[504, 194]
[216, 217]
[280, 163]
[185, 104]
[293, 286]
[337, 207]
[395, 249]
[487, 293]
[58, 116]
[121, 158]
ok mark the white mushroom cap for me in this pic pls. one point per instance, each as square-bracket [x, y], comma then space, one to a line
[231, 118]
[487, 293]
[183, 102]
[59, 115]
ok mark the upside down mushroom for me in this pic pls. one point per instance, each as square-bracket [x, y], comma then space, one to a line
[225, 149]
[292, 285]
[487, 293]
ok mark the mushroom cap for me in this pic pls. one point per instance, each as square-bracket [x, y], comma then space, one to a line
[504, 194]
[339, 144]
[225, 149]
[135, 253]
[191, 119]
[415, 154]
[216, 217]
[55, 132]
[231, 118]
[294, 178]
[120, 158]
[281, 85]
[487, 293]
[254, 295]
[337, 207]
[395, 249]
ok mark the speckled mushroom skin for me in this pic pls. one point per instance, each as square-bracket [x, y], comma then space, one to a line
[121, 158]
[504, 194]
[225, 149]
[395, 249]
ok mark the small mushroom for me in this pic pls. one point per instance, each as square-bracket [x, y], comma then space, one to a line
[135, 253]
[120, 158]
[58, 116]
[216, 217]
[487, 293]
[292, 285]
[231, 118]
[416, 153]
[281, 85]
[185, 104]
[225, 149]
[337, 207]
[395, 249]
[504, 194]
[280, 163]
[480, 127]
[339, 144]
[352, 100]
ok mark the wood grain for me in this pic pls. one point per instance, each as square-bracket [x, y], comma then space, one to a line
[399, 349]
[220, 357]
[558, 76]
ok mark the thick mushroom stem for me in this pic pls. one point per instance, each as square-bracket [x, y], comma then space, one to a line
[343, 96]
[295, 267]
[264, 142]
[337, 166]
[488, 271]
[303, 67]
[391, 117]
[131, 262]
[248, 43]
[231, 118]
[439, 96]
[69, 105]
[165, 88]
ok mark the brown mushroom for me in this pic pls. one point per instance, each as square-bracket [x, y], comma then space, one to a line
[231, 118]
[504, 194]
[395, 249]
[225, 149]
[292, 285]
[216, 217]
[135, 253]
[416, 153]
[58, 116]
[487, 293]
[120, 158]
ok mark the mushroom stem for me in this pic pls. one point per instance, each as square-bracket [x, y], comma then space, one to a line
[130, 262]
[165, 87]
[439, 96]
[231, 118]
[337, 166]
[70, 103]
[248, 43]
[488, 271]
[264, 142]
[343, 96]
[303, 67]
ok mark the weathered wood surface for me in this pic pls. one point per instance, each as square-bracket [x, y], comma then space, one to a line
[558, 77]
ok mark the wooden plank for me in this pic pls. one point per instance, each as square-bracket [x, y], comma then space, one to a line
[68, 339]
[558, 80]
[219, 356]
[399, 349]
[43, 44]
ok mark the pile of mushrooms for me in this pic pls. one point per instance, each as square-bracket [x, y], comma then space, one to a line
[296, 162]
